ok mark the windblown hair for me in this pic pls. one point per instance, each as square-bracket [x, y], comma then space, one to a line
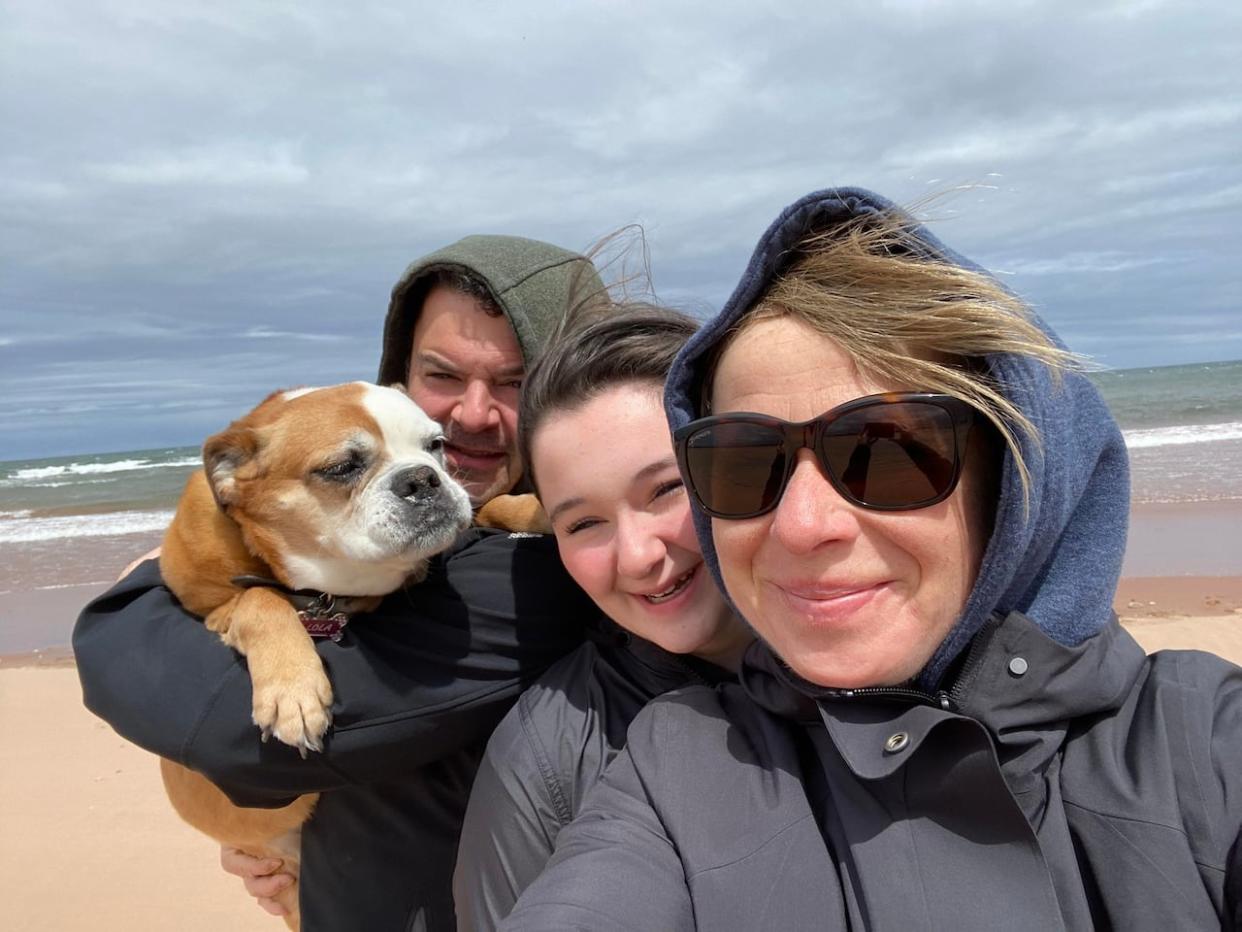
[910, 317]
[599, 347]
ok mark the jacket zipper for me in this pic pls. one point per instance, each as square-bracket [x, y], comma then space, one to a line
[974, 657]
[944, 699]
[940, 698]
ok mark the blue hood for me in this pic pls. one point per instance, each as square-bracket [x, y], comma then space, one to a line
[1057, 563]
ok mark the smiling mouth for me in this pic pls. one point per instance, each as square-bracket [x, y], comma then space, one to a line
[672, 591]
[829, 605]
[474, 451]
[466, 458]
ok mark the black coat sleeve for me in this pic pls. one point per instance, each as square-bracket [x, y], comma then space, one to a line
[428, 673]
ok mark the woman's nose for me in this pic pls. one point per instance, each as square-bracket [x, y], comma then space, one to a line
[639, 547]
[812, 512]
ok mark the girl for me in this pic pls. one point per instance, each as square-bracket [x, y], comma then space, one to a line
[594, 435]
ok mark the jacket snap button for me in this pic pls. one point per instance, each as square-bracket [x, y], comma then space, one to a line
[896, 742]
[1018, 666]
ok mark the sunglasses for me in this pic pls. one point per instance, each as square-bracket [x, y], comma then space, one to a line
[898, 451]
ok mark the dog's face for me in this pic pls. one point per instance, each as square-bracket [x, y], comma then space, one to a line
[340, 489]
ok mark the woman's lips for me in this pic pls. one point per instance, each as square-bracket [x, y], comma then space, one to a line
[673, 594]
[827, 604]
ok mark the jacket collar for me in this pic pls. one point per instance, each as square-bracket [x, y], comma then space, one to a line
[1022, 686]
[652, 669]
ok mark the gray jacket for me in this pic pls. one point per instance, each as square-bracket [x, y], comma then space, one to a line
[1050, 787]
[546, 754]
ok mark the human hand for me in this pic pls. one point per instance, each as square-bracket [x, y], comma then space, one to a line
[262, 877]
[150, 555]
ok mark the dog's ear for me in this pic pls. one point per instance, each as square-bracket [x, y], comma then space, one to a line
[223, 454]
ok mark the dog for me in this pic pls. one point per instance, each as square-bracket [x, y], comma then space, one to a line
[307, 510]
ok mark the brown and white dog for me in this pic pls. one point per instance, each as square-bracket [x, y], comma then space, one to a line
[308, 509]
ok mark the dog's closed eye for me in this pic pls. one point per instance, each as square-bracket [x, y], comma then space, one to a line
[344, 470]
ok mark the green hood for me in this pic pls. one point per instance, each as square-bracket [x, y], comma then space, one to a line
[534, 284]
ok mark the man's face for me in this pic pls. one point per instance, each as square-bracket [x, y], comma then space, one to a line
[466, 372]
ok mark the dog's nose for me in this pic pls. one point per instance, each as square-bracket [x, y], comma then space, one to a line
[416, 483]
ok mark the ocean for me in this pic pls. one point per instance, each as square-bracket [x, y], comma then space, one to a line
[1183, 430]
[77, 520]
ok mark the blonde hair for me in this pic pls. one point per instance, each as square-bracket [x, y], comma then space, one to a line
[906, 316]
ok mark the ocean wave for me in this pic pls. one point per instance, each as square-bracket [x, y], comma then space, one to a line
[86, 469]
[8, 483]
[1166, 497]
[69, 585]
[1170, 436]
[68, 526]
[12, 515]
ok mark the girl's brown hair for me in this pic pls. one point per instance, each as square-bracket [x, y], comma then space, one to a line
[599, 347]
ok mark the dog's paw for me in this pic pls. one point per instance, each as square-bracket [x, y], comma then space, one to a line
[295, 708]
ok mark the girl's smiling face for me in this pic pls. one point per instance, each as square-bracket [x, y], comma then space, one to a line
[609, 482]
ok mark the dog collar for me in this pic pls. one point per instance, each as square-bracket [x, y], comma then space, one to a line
[322, 615]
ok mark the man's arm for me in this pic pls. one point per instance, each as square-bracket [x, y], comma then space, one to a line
[431, 671]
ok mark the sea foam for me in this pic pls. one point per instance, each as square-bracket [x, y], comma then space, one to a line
[1170, 436]
[101, 525]
[86, 469]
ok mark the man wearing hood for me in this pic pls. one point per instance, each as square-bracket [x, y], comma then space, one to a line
[463, 325]
[420, 683]
[905, 487]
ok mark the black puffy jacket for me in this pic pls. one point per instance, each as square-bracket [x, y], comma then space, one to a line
[419, 685]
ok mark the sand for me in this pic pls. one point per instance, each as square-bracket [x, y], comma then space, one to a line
[87, 840]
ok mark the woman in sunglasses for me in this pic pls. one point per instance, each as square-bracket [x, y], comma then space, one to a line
[594, 434]
[920, 506]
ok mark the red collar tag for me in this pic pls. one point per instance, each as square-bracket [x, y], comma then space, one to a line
[324, 626]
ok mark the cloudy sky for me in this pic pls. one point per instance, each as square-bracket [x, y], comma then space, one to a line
[202, 201]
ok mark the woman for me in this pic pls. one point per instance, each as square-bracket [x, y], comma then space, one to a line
[943, 726]
[595, 436]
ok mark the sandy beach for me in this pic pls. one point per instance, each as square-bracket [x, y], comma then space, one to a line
[88, 841]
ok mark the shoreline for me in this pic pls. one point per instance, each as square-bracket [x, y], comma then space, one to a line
[1178, 539]
[1181, 558]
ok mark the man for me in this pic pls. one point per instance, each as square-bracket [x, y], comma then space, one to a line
[488, 304]
[422, 681]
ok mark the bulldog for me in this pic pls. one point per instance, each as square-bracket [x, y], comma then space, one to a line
[307, 510]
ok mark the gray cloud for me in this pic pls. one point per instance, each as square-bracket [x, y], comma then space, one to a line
[218, 196]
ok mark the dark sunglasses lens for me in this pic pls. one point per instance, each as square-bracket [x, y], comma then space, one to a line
[737, 468]
[899, 455]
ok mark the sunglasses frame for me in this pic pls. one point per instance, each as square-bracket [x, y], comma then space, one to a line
[807, 434]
